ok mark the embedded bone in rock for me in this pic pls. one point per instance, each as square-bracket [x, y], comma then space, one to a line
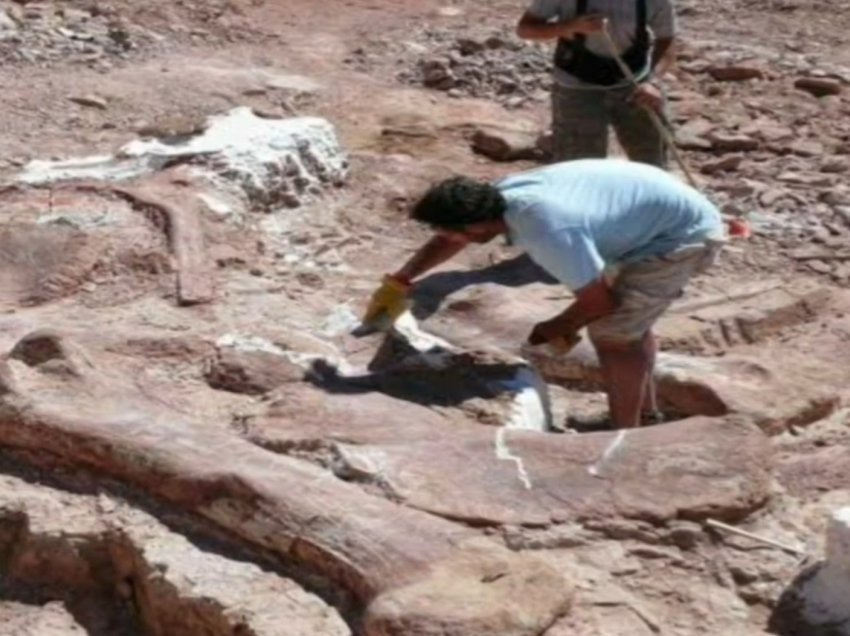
[182, 209]
[773, 396]
[393, 562]
[274, 161]
[82, 545]
[449, 464]
[414, 365]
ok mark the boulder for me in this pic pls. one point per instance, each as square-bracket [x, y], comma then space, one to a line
[732, 142]
[723, 164]
[251, 372]
[735, 73]
[819, 86]
[501, 144]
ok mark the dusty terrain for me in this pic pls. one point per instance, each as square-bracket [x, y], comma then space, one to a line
[191, 440]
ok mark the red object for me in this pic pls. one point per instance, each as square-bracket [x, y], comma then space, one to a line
[740, 228]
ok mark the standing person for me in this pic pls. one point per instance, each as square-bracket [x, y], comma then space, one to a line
[590, 92]
[577, 219]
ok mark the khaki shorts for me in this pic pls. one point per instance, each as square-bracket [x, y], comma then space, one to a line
[644, 290]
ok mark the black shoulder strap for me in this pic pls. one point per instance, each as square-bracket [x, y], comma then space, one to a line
[641, 15]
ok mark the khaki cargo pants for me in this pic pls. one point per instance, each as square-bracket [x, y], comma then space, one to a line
[644, 290]
[580, 121]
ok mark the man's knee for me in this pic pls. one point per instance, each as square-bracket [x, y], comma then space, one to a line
[607, 342]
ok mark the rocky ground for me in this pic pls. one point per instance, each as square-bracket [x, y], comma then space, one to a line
[198, 198]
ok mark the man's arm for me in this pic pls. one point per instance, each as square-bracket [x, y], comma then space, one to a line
[436, 251]
[660, 59]
[533, 27]
[593, 301]
[647, 94]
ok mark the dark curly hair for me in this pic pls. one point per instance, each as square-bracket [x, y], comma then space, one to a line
[459, 201]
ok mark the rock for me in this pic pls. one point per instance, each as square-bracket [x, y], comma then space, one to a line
[92, 101]
[732, 142]
[251, 372]
[735, 73]
[835, 166]
[819, 86]
[686, 535]
[501, 144]
[843, 213]
[8, 27]
[723, 164]
[173, 126]
[437, 74]
[770, 132]
[771, 196]
[805, 179]
[834, 197]
[807, 148]
[694, 135]
[51, 619]
[818, 266]
[470, 46]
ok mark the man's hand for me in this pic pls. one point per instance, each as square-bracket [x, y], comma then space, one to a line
[584, 25]
[551, 331]
[533, 27]
[390, 299]
[593, 301]
[649, 96]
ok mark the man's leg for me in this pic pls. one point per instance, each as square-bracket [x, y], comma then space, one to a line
[635, 131]
[624, 341]
[650, 397]
[627, 369]
[579, 124]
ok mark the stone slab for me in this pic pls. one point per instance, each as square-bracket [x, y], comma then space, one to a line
[460, 469]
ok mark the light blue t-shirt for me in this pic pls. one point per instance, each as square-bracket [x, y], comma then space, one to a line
[576, 217]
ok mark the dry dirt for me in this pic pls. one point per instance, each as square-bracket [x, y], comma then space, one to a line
[191, 441]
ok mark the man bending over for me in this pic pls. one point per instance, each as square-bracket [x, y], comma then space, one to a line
[624, 237]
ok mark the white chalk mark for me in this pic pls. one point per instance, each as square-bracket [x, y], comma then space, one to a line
[612, 447]
[504, 453]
